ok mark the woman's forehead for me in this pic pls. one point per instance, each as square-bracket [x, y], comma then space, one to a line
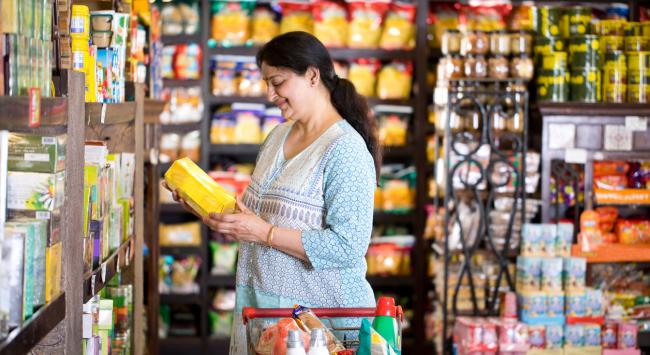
[268, 71]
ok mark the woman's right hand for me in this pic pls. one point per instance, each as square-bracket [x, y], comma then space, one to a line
[176, 196]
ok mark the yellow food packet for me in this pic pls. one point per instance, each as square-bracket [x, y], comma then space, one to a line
[198, 189]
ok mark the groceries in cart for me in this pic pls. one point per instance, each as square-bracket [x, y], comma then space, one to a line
[304, 333]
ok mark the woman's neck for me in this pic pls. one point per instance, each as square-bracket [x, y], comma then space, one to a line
[323, 116]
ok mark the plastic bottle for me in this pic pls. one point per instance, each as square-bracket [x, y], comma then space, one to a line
[318, 344]
[294, 343]
[385, 322]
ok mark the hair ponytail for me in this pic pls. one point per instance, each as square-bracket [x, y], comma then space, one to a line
[297, 51]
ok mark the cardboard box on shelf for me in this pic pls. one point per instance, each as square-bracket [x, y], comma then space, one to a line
[36, 153]
[35, 191]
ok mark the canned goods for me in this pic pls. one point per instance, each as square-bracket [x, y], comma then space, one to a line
[553, 85]
[499, 43]
[554, 61]
[638, 89]
[639, 61]
[79, 54]
[615, 59]
[611, 43]
[636, 44]
[645, 29]
[633, 29]
[584, 51]
[475, 42]
[585, 84]
[579, 18]
[521, 43]
[544, 45]
[614, 27]
[548, 20]
[614, 83]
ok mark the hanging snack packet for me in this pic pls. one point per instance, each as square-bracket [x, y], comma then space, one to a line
[264, 25]
[394, 80]
[330, 23]
[399, 27]
[366, 19]
[230, 22]
[362, 74]
[296, 16]
[307, 321]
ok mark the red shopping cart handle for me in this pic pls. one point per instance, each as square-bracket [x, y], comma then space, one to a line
[252, 313]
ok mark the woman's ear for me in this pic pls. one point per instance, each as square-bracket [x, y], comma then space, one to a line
[313, 75]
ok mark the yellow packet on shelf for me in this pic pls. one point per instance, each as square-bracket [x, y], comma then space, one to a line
[198, 189]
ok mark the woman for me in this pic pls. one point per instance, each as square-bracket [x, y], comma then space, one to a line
[307, 214]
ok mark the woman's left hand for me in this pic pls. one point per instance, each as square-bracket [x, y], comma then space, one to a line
[243, 227]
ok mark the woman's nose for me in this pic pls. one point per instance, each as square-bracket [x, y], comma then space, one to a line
[270, 93]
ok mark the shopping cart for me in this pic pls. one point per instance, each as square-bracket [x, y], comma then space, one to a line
[258, 319]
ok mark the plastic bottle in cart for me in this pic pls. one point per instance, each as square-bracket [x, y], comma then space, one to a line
[318, 344]
[294, 343]
[385, 322]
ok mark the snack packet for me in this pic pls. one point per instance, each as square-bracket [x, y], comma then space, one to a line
[307, 320]
[330, 23]
[273, 339]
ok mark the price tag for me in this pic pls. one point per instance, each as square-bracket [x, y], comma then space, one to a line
[103, 272]
[117, 267]
[128, 255]
[34, 107]
[102, 117]
[575, 156]
[636, 123]
[92, 284]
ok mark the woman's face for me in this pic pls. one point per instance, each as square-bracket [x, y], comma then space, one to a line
[289, 91]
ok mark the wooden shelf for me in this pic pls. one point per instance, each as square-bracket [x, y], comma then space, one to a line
[592, 109]
[372, 101]
[221, 280]
[15, 111]
[180, 251]
[99, 278]
[399, 152]
[391, 218]
[181, 83]
[335, 53]
[615, 253]
[181, 127]
[172, 208]
[180, 299]
[218, 345]
[391, 281]
[181, 39]
[101, 113]
[152, 110]
[21, 340]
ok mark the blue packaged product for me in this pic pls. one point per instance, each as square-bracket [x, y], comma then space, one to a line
[592, 334]
[574, 335]
[529, 271]
[594, 302]
[533, 304]
[554, 336]
[564, 239]
[531, 240]
[555, 303]
[575, 270]
[551, 270]
[576, 304]
[549, 233]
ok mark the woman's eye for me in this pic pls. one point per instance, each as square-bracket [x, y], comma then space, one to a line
[276, 84]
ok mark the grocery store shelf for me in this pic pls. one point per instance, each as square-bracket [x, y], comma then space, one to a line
[624, 197]
[391, 281]
[615, 253]
[21, 340]
[99, 278]
[390, 218]
[593, 109]
[180, 299]
[15, 110]
[182, 345]
[102, 113]
[181, 127]
[224, 100]
[173, 207]
[221, 280]
[181, 83]
[373, 101]
[335, 53]
[180, 251]
[181, 39]
[218, 345]
[235, 149]
[152, 110]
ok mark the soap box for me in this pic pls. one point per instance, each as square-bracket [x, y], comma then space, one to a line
[575, 273]
[36, 153]
[529, 269]
[576, 304]
[594, 299]
[52, 219]
[551, 270]
[554, 336]
[592, 334]
[531, 244]
[35, 191]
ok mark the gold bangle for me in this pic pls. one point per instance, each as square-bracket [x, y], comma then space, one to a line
[269, 237]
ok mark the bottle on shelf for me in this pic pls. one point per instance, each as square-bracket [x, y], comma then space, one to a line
[295, 345]
[318, 344]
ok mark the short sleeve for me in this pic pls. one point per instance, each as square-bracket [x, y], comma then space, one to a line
[349, 185]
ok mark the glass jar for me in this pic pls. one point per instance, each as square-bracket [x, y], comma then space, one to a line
[499, 43]
[498, 67]
[521, 43]
[522, 68]
[475, 42]
[516, 122]
[450, 67]
[451, 40]
[475, 67]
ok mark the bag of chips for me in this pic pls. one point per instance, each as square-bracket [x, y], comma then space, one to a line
[330, 23]
[366, 18]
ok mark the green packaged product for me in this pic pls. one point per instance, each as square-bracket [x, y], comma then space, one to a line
[36, 153]
[584, 51]
[52, 221]
[554, 61]
[548, 20]
[546, 45]
[18, 254]
[579, 18]
[585, 84]
[224, 258]
[553, 86]
[220, 322]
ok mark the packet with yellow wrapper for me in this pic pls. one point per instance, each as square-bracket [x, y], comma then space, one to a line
[198, 189]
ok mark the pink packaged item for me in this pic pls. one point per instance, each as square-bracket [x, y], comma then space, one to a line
[513, 336]
[627, 332]
[475, 335]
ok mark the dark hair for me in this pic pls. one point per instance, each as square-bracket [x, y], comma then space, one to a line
[298, 51]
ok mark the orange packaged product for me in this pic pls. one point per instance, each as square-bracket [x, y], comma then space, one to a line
[603, 168]
[296, 16]
[633, 232]
[590, 236]
[610, 182]
[607, 216]
[330, 23]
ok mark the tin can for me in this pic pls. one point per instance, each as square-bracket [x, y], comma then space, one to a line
[499, 43]
[615, 78]
[553, 85]
[545, 45]
[584, 51]
[611, 43]
[554, 61]
[645, 28]
[636, 44]
[633, 29]
[639, 61]
[610, 27]
[548, 20]
[615, 58]
[585, 84]
[638, 77]
[579, 18]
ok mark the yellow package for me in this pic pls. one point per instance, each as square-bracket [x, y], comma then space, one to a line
[263, 26]
[52, 271]
[296, 17]
[394, 81]
[230, 23]
[362, 75]
[399, 28]
[365, 23]
[198, 189]
[330, 23]
[182, 234]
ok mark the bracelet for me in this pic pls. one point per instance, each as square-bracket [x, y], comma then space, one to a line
[269, 237]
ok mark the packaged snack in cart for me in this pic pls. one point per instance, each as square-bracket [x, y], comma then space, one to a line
[394, 80]
[273, 339]
[296, 16]
[366, 19]
[399, 27]
[330, 23]
[307, 320]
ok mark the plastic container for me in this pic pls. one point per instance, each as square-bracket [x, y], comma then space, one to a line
[79, 54]
[385, 322]
[102, 39]
[80, 22]
[318, 344]
[101, 22]
[295, 345]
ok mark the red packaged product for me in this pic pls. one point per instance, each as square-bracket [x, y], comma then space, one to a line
[610, 182]
[602, 168]
[366, 19]
[610, 335]
[607, 216]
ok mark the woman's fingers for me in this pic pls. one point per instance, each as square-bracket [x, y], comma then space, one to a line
[241, 206]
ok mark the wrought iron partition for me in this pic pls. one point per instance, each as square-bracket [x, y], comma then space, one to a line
[485, 158]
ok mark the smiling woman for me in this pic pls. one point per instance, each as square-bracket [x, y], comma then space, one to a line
[306, 217]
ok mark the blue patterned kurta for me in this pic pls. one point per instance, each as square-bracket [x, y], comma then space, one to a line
[326, 192]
